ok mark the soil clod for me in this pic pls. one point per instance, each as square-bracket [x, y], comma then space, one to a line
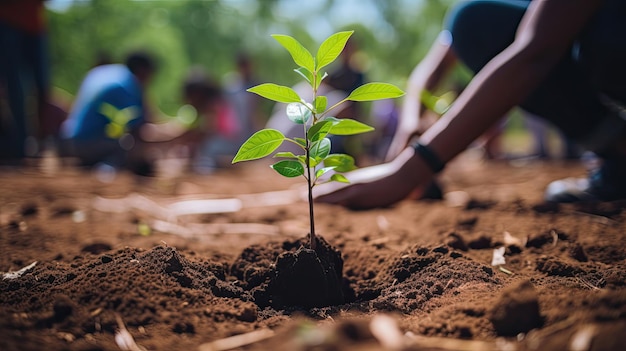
[517, 310]
[299, 277]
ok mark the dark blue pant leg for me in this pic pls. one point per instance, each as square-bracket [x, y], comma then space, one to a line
[481, 29]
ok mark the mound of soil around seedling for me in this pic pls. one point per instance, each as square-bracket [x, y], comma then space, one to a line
[289, 274]
[196, 280]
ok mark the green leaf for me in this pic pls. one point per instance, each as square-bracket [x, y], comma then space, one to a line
[260, 144]
[375, 91]
[339, 178]
[320, 104]
[346, 126]
[301, 56]
[300, 141]
[341, 162]
[331, 48]
[308, 76]
[298, 113]
[319, 130]
[320, 78]
[287, 154]
[312, 161]
[288, 168]
[320, 172]
[301, 158]
[276, 92]
[320, 149]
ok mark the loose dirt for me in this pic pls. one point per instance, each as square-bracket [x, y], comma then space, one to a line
[179, 283]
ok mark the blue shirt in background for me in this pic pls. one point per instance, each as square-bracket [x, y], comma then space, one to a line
[109, 104]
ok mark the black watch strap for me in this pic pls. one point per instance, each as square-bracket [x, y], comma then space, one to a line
[432, 160]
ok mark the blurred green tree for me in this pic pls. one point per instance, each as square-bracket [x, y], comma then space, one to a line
[211, 33]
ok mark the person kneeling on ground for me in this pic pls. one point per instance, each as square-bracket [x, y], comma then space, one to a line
[109, 121]
[560, 60]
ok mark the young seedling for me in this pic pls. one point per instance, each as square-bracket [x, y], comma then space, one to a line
[318, 125]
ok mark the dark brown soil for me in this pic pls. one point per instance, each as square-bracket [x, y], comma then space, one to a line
[293, 275]
[427, 264]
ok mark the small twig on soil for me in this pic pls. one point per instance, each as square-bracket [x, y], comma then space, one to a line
[16, 274]
[587, 284]
[130, 202]
[199, 230]
[504, 270]
[600, 219]
[124, 339]
[236, 341]
[555, 237]
[168, 212]
[270, 198]
[190, 207]
[171, 210]
[434, 343]
[379, 241]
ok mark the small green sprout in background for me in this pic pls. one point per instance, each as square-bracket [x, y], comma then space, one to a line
[317, 160]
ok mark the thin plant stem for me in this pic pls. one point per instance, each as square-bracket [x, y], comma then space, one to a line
[309, 180]
[295, 142]
[310, 189]
[333, 107]
[311, 216]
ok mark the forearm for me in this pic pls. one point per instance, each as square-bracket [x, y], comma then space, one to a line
[426, 76]
[500, 86]
[161, 132]
[544, 36]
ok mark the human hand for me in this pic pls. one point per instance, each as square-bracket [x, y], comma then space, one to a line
[378, 186]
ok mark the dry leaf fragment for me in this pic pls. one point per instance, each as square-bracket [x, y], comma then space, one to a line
[67, 337]
[382, 222]
[385, 330]
[18, 273]
[582, 339]
[456, 198]
[512, 240]
[498, 256]
[236, 341]
[124, 339]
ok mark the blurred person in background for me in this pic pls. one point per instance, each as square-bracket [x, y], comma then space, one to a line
[24, 77]
[247, 106]
[561, 60]
[217, 132]
[110, 123]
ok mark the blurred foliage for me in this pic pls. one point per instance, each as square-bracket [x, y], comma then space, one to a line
[211, 33]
